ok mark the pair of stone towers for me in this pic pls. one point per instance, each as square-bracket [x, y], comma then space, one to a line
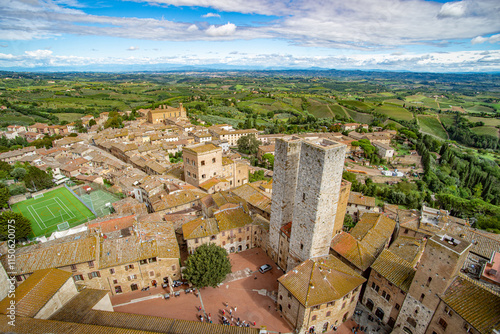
[306, 185]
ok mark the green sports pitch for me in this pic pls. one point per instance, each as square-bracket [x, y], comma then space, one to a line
[55, 207]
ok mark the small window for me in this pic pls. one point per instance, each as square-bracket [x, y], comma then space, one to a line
[343, 305]
[405, 231]
[239, 230]
[422, 296]
[281, 297]
[442, 323]
[77, 278]
[115, 281]
[289, 295]
[91, 264]
[223, 243]
[467, 328]
[303, 196]
[143, 261]
[301, 246]
[397, 306]
[152, 260]
[239, 239]
[330, 304]
[174, 267]
[316, 307]
[151, 273]
[118, 289]
[111, 271]
[203, 162]
[329, 313]
[73, 267]
[429, 280]
[213, 160]
[203, 176]
[313, 318]
[189, 173]
[289, 306]
[448, 311]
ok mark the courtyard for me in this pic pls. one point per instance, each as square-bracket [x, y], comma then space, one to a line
[251, 293]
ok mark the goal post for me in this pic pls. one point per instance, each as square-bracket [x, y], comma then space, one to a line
[63, 226]
[37, 196]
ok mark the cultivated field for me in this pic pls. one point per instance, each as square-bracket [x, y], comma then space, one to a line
[431, 125]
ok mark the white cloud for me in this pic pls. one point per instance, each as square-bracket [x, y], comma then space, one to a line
[224, 30]
[453, 9]
[39, 53]
[133, 48]
[473, 61]
[491, 39]
[211, 15]
[192, 28]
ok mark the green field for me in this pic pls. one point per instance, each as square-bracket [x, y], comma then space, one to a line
[431, 125]
[98, 199]
[486, 120]
[69, 117]
[395, 112]
[360, 117]
[486, 130]
[447, 119]
[55, 207]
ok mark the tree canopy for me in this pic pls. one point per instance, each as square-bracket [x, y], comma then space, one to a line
[37, 178]
[248, 144]
[22, 225]
[208, 266]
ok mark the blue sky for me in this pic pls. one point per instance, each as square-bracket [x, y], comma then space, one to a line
[413, 35]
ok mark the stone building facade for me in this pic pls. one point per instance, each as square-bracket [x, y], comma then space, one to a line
[307, 182]
[161, 114]
[201, 162]
[286, 166]
[126, 257]
[345, 190]
[443, 257]
[467, 307]
[326, 298]
[204, 162]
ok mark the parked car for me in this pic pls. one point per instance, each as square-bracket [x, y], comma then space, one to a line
[265, 268]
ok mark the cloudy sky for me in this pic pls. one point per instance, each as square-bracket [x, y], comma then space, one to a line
[413, 35]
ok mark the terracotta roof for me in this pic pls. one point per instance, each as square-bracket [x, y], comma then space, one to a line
[374, 229]
[36, 291]
[287, 229]
[149, 240]
[483, 243]
[408, 248]
[79, 305]
[232, 218]
[211, 183]
[143, 323]
[204, 148]
[258, 220]
[254, 197]
[54, 254]
[320, 280]
[353, 250]
[475, 303]
[395, 269]
[177, 199]
[360, 199]
[200, 228]
[114, 224]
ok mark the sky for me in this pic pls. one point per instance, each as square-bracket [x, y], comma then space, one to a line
[110, 35]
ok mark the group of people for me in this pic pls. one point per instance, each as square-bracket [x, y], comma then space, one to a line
[230, 320]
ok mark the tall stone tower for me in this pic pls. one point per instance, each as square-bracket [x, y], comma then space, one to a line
[286, 167]
[306, 187]
[316, 196]
[443, 257]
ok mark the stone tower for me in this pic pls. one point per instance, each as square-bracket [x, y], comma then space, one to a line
[306, 186]
[316, 196]
[286, 166]
[443, 257]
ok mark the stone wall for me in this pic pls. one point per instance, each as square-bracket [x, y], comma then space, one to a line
[61, 297]
[414, 316]
[318, 186]
[104, 304]
[345, 190]
[446, 320]
[390, 307]
[199, 167]
[286, 164]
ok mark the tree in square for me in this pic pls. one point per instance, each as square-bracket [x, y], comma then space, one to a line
[208, 266]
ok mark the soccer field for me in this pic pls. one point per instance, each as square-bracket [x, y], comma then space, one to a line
[55, 207]
[98, 199]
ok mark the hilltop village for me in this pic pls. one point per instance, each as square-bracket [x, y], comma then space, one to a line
[410, 271]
